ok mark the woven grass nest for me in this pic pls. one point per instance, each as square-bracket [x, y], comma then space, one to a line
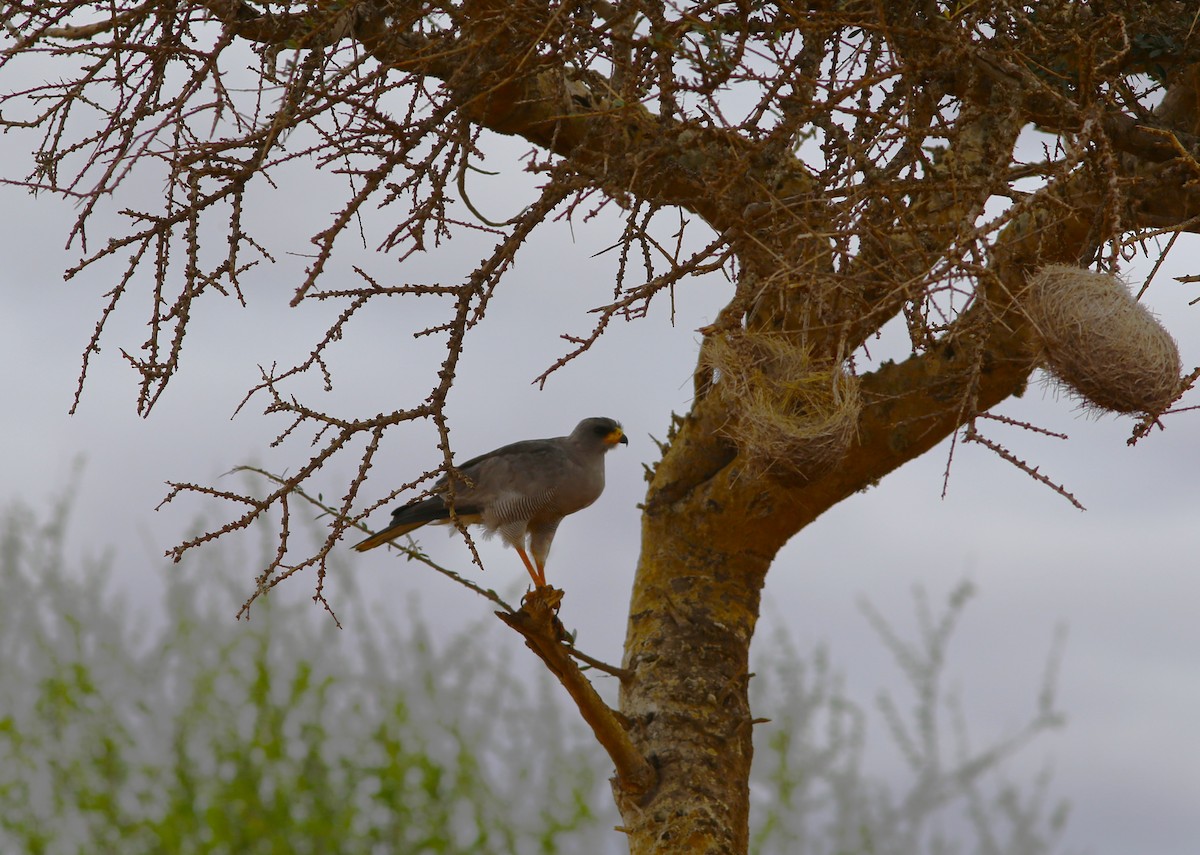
[791, 415]
[1101, 344]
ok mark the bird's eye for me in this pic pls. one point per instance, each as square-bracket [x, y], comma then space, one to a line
[602, 430]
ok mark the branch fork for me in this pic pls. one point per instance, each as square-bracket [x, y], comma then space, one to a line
[537, 621]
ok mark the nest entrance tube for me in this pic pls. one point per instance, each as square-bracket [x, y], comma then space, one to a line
[1101, 344]
[791, 415]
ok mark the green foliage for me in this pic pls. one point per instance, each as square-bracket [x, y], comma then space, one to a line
[282, 735]
[131, 727]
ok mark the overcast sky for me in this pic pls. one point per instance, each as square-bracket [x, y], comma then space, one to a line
[1121, 577]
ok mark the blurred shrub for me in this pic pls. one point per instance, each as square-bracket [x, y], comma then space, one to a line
[132, 727]
[814, 791]
[138, 729]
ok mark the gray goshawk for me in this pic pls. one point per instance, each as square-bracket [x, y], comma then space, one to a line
[522, 491]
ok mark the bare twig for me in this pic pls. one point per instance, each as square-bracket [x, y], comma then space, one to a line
[599, 665]
[410, 551]
[972, 435]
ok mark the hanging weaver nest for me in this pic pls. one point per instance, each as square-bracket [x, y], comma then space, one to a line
[790, 415]
[1101, 344]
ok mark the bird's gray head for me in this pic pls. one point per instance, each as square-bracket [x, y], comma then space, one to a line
[599, 432]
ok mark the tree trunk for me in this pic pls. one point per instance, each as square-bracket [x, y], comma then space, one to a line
[692, 616]
[710, 530]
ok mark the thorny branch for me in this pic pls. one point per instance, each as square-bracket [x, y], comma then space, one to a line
[410, 553]
[973, 435]
[845, 167]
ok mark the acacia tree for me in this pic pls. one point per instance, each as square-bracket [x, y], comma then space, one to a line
[853, 162]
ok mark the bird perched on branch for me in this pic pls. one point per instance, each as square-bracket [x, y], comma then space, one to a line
[522, 491]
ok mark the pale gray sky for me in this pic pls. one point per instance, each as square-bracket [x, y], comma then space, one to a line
[1122, 576]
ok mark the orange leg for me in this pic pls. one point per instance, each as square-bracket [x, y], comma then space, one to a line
[539, 577]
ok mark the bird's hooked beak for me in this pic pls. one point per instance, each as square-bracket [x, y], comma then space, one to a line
[615, 436]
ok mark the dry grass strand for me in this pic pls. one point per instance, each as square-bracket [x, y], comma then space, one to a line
[793, 415]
